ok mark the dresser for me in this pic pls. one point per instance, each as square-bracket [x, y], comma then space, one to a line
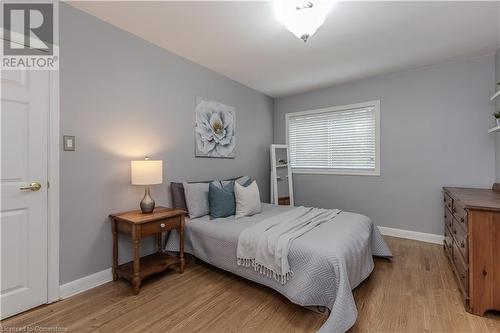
[472, 245]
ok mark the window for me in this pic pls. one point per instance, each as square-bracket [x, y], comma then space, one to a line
[338, 140]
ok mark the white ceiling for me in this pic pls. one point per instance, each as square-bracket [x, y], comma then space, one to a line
[244, 41]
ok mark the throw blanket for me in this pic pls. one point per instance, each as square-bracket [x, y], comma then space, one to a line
[265, 245]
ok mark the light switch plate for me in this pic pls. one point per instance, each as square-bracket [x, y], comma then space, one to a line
[69, 143]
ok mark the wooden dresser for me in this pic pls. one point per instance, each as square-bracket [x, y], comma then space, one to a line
[472, 244]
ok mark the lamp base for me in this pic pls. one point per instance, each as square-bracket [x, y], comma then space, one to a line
[147, 203]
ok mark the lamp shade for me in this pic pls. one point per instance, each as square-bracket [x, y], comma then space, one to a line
[146, 172]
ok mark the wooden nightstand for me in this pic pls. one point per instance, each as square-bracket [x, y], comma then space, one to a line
[140, 225]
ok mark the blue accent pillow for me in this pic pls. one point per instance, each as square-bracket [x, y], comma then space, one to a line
[221, 200]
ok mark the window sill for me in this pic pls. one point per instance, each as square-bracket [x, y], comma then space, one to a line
[373, 173]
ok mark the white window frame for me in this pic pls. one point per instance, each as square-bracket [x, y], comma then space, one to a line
[352, 172]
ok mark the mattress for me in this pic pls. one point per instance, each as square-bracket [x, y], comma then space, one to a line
[327, 262]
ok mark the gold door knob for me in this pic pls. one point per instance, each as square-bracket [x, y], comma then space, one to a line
[35, 186]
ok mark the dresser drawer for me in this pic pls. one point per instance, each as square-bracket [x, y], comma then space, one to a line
[461, 270]
[460, 214]
[448, 242]
[448, 202]
[160, 226]
[460, 237]
[448, 219]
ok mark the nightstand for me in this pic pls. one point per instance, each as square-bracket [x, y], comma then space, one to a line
[140, 225]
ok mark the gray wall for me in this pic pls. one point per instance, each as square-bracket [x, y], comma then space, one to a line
[434, 124]
[124, 98]
[497, 104]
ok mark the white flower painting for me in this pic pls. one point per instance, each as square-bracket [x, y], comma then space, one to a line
[214, 129]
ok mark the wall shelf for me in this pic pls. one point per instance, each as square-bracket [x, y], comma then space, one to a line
[496, 95]
[494, 129]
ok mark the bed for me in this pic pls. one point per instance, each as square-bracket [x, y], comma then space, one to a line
[327, 262]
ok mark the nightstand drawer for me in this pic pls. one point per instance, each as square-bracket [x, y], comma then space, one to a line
[160, 226]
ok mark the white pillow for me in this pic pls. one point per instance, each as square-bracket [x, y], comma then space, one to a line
[247, 199]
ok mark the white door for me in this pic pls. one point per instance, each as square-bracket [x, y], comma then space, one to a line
[23, 211]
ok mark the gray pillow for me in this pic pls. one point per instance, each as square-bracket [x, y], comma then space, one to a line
[196, 199]
[178, 198]
[243, 180]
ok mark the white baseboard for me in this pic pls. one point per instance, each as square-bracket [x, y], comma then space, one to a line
[415, 235]
[85, 283]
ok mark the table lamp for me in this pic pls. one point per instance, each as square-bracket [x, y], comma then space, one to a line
[147, 172]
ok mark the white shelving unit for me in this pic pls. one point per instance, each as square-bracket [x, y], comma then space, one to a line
[494, 129]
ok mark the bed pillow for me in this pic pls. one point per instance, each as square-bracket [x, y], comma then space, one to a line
[244, 180]
[247, 199]
[221, 200]
[196, 195]
[178, 197]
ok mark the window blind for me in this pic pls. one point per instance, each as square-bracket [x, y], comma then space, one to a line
[342, 139]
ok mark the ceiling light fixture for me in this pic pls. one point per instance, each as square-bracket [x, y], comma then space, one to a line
[302, 18]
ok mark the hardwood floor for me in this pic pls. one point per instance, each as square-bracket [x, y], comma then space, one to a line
[414, 293]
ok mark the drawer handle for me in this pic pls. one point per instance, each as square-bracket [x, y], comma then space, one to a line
[162, 225]
[455, 231]
[462, 220]
[462, 244]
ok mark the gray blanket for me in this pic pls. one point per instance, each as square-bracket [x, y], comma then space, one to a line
[328, 261]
